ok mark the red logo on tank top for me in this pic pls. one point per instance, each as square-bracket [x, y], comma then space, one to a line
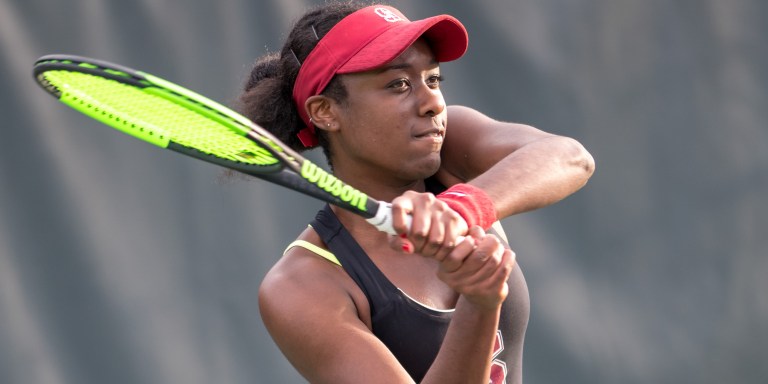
[498, 366]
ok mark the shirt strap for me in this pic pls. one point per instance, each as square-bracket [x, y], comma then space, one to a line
[314, 249]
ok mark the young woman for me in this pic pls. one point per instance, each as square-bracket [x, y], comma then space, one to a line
[349, 304]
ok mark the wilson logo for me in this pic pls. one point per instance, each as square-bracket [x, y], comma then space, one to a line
[333, 185]
[388, 15]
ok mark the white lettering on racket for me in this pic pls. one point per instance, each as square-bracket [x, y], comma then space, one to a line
[329, 183]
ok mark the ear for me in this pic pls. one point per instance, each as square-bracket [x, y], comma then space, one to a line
[322, 111]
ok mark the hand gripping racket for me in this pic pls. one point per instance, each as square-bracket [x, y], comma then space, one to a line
[170, 116]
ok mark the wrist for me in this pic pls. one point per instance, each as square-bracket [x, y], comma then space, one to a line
[479, 306]
[472, 203]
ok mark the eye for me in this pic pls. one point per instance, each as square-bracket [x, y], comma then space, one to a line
[434, 81]
[399, 85]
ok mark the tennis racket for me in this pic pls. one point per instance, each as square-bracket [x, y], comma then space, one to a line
[172, 117]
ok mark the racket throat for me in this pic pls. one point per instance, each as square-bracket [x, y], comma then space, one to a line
[348, 195]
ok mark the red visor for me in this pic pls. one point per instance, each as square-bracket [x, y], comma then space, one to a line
[368, 39]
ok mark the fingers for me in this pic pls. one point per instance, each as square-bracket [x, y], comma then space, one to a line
[401, 243]
[434, 228]
[470, 255]
[479, 268]
[402, 206]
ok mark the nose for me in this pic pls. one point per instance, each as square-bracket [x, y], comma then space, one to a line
[431, 101]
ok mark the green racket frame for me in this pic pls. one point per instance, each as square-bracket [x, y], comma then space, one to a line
[170, 116]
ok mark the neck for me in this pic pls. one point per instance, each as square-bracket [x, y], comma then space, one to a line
[379, 187]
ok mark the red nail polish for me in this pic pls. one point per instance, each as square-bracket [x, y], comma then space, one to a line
[407, 247]
[403, 235]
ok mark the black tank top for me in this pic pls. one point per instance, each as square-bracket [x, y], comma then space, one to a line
[412, 331]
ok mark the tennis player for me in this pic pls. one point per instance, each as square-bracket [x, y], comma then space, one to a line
[349, 304]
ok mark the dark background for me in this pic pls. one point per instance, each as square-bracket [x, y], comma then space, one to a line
[124, 263]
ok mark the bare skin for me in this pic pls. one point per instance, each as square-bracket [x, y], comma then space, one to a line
[389, 136]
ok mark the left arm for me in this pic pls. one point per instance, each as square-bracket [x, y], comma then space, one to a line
[520, 167]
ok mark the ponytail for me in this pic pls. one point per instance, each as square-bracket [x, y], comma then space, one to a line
[266, 100]
[267, 97]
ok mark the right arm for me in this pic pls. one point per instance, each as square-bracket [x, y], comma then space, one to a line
[478, 268]
[313, 318]
[309, 308]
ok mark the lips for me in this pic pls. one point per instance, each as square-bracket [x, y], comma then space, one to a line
[430, 133]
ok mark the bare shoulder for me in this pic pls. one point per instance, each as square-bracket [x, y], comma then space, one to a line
[312, 310]
[302, 277]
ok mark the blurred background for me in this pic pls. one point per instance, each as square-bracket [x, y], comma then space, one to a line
[124, 263]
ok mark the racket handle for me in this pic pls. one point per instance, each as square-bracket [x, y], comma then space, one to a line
[383, 220]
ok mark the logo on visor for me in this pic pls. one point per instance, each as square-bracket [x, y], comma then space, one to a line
[388, 15]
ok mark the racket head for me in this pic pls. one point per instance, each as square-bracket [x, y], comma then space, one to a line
[158, 112]
[169, 116]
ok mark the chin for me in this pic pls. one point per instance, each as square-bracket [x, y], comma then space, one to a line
[428, 167]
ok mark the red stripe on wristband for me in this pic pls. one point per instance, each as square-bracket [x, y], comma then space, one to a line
[472, 203]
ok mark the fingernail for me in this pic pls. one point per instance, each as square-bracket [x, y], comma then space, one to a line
[403, 235]
[407, 247]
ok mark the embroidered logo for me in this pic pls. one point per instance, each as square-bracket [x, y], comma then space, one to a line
[457, 194]
[388, 15]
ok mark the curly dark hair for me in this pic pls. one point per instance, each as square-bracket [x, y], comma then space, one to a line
[267, 97]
